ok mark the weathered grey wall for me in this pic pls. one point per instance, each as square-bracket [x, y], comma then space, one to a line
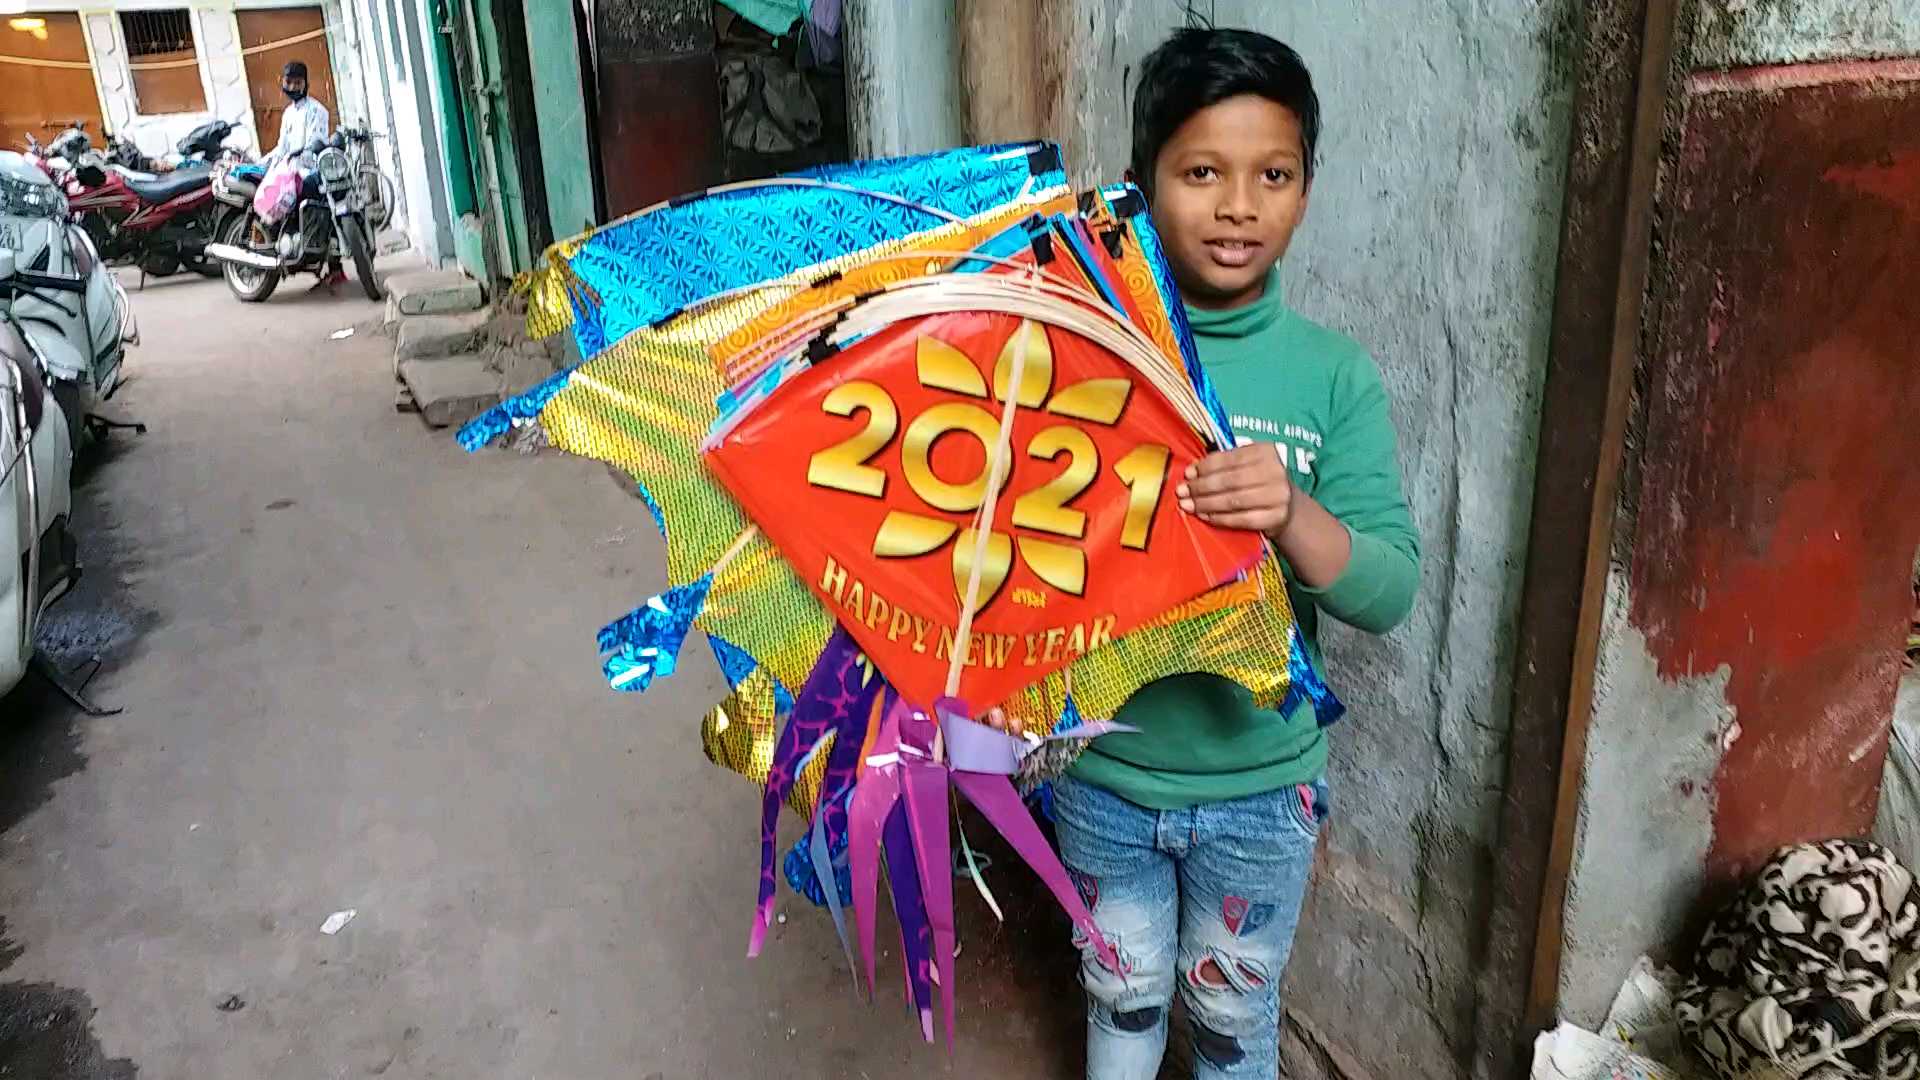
[1646, 804]
[1651, 807]
[1738, 33]
[1431, 239]
[903, 78]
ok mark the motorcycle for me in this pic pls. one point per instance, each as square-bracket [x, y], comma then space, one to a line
[64, 298]
[200, 148]
[256, 253]
[38, 557]
[159, 222]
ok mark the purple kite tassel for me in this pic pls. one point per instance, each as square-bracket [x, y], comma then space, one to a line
[873, 800]
[831, 689]
[843, 762]
[925, 785]
[919, 937]
[996, 800]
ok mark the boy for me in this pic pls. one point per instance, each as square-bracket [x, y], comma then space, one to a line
[1192, 840]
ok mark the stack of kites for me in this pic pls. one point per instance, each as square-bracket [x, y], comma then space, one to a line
[911, 430]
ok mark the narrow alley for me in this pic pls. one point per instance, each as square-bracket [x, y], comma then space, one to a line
[357, 671]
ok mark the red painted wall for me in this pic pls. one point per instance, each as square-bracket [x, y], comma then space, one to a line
[1779, 488]
[659, 100]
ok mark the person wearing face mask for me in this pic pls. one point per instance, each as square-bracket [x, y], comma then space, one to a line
[304, 121]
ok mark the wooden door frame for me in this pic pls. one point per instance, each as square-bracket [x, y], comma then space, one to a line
[52, 125]
[1620, 106]
[326, 43]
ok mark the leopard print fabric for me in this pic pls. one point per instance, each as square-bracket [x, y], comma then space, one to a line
[1824, 942]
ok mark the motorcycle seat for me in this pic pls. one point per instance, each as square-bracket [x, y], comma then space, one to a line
[170, 185]
[242, 185]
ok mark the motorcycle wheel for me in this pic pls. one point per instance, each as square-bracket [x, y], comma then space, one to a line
[159, 264]
[250, 285]
[353, 233]
[377, 195]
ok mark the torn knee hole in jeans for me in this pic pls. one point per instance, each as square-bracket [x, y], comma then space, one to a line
[1218, 972]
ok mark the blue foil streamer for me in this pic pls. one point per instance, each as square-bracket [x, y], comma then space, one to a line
[1070, 717]
[645, 643]
[1306, 684]
[653, 507]
[499, 420]
[734, 662]
[798, 866]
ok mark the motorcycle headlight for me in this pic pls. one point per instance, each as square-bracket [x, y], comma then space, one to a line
[333, 166]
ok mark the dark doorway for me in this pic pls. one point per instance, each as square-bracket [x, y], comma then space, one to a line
[691, 94]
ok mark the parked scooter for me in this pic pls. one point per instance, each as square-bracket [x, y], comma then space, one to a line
[38, 557]
[66, 300]
[257, 252]
[205, 145]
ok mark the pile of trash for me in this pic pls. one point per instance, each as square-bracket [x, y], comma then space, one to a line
[1811, 973]
[1640, 1039]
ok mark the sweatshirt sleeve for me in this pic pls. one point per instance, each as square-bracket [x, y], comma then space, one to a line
[1360, 485]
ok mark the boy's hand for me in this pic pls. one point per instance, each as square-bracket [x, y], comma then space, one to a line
[1246, 488]
[998, 720]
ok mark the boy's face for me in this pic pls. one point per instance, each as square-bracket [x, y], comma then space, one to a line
[1228, 190]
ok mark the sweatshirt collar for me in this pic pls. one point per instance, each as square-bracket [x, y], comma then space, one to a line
[1242, 321]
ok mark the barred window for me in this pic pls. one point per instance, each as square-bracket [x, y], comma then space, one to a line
[164, 61]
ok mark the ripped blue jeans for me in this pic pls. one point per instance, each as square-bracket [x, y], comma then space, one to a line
[1203, 901]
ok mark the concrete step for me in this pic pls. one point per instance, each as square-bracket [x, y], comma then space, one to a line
[430, 337]
[431, 292]
[449, 392]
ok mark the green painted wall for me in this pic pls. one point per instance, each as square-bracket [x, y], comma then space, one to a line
[560, 104]
[469, 243]
[493, 131]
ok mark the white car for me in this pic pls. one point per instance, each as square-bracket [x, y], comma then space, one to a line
[38, 561]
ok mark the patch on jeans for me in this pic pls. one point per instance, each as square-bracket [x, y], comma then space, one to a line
[1244, 917]
[1087, 886]
[1134, 1021]
[1221, 1051]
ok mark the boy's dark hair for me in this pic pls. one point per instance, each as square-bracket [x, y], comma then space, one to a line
[295, 69]
[1197, 69]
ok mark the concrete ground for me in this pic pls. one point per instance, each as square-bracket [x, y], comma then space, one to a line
[357, 669]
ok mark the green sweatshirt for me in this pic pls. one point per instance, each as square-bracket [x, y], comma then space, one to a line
[1289, 381]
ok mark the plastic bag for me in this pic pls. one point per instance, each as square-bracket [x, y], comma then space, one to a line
[278, 193]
